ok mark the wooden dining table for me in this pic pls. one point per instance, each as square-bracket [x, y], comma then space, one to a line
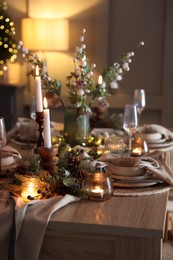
[121, 228]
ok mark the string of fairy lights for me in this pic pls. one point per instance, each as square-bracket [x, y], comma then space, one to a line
[8, 48]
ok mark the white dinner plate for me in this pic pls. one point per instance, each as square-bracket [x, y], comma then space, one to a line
[8, 168]
[126, 171]
[20, 143]
[140, 177]
[149, 136]
[160, 141]
[130, 184]
[160, 145]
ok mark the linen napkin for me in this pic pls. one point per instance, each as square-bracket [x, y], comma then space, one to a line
[10, 151]
[7, 209]
[31, 221]
[154, 128]
[161, 170]
[154, 162]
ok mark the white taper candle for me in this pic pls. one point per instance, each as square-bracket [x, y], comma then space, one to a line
[47, 131]
[39, 101]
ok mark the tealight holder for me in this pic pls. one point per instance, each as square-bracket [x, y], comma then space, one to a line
[98, 186]
[139, 147]
[48, 158]
[115, 144]
[40, 122]
[30, 187]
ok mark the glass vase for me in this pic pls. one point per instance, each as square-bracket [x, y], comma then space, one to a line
[76, 128]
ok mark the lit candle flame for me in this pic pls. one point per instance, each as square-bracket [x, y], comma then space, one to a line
[37, 71]
[45, 102]
[100, 79]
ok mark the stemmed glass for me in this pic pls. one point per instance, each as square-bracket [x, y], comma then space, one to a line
[139, 101]
[130, 122]
[2, 136]
[33, 108]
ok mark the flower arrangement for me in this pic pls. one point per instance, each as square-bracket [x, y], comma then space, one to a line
[83, 89]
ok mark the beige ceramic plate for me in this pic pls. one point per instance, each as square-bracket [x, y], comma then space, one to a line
[149, 136]
[127, 171]
[6, 160]
[20, 143]
[134, 184]
[140, 177]
[160, 141]
[162, 145]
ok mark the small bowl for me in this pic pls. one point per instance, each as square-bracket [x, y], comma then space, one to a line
[149, 136]
[7, 160]
[126, 166]
[127, 171]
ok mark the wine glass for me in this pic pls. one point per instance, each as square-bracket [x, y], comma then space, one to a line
[2, 136]
[130, 122]
[139, 101]
[33, 108]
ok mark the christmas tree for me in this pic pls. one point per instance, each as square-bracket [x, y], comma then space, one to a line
[8, 48]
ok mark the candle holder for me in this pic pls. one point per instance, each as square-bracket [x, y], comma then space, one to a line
[48, 158]
[40, 121]
[139, 147]
[30, 187]
[115, 144]
[98, 186]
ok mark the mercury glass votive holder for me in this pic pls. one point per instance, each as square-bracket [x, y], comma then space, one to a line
[115, 144]
[139, 147]
[30, 187]
[98, 186]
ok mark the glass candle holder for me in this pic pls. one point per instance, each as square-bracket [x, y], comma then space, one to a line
[139, 147]
[29, 188]
[115, 144]
[98, 186]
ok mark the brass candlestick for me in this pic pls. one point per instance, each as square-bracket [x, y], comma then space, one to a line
[40, 121]
[48, 158]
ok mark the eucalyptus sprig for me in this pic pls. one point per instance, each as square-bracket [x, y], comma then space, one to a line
[33, 60]
[82, 87]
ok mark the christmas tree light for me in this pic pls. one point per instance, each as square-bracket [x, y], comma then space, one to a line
[8, 48]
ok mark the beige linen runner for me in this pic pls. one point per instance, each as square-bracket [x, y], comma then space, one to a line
[31, 220]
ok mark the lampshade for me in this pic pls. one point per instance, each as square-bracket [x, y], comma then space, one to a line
[45, 34]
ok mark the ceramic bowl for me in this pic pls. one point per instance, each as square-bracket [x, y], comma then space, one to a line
[149, 136]
[128, 171]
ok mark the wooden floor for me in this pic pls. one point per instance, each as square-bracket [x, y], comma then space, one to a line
[168, 250]
[168, 245]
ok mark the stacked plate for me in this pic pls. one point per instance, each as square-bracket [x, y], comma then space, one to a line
[155, 140]
[132, 176]
[8, 158]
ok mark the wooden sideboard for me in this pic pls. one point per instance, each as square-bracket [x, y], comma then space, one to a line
[122, 228]
[11, 103]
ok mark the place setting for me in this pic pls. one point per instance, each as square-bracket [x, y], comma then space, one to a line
[156, 136]
[137, 168]
[79, 148]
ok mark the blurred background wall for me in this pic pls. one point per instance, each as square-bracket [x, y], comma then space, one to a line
[113, 27]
